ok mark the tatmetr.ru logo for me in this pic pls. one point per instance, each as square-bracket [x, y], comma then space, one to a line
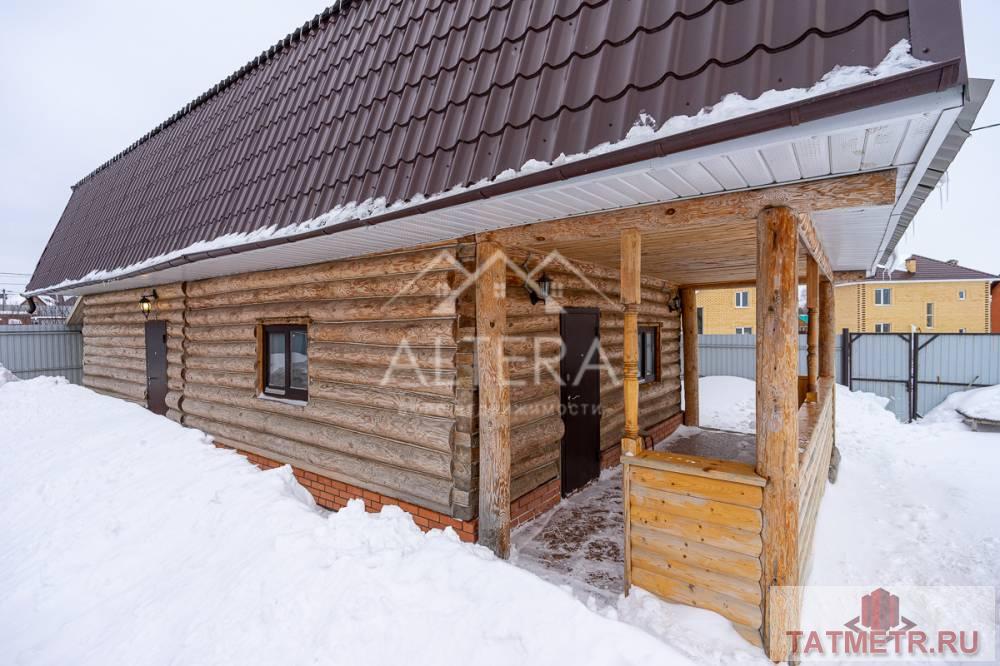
[917, 624]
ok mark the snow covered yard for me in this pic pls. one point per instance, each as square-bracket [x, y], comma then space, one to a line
[129, 539]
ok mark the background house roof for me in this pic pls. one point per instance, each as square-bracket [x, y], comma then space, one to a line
[395, 100]
[932, 269]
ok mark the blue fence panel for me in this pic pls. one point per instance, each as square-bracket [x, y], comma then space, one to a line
[947, 363]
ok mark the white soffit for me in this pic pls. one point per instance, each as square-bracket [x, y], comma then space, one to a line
[903, 135]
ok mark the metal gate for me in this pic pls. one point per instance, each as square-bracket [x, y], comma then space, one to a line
[948, 362]
[880, 363]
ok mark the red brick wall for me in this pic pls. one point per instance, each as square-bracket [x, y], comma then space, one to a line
[333, 495]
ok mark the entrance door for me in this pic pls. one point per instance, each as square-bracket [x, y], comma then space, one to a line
[156, 366]
[581, 398]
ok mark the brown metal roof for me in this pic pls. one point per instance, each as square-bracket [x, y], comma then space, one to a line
[932, 269]
[393, 99]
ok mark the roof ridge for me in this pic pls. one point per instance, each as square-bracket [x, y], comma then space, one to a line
[294, 37]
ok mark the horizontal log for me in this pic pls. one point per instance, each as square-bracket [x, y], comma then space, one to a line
[383, 398]
[361, 309]
[417, 381]
[425, 431]
[222, 333]
[534, 323]
[137, 377]
[698, 577]
[245, 365]
[164, 291]
[160, 306]
[673, 548]
[531, 437]
[222, 349]
[532, 479]
[133, 343]
[696, 486]
[176, 317]
[117, 387]
[384, 286]
[334, 438]
[679, 591]
[372, 266]
[396, 482]
[111, 360]
[400, 357]
[704, 532]
[244, 381]
[416, 333]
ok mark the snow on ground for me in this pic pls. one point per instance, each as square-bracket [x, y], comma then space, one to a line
[128, 539]
[980, 403]
[6, 375]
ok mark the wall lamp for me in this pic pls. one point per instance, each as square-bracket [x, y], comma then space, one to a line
[674, 304]
[146, 303]
[538, 290]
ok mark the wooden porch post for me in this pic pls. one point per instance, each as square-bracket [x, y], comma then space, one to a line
[631, 295]
[777, 416]
[494, 399]
[812, 334]
[689, 335]
[827, 330]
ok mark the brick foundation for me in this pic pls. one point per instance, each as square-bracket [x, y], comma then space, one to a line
[334, 495]
[650, 436]
[535, 502]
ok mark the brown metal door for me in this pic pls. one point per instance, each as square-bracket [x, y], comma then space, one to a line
[156, 366]
[581, 398]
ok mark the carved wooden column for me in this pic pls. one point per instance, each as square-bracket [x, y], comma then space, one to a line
[812, 334]
[777, 419]
[631, 295]
[494, 399]
[689, 335]
[827, 330]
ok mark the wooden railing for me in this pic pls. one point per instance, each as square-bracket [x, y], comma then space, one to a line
[693, 534]
[816, 423]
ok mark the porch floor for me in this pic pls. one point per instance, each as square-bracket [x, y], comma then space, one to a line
[580, 542]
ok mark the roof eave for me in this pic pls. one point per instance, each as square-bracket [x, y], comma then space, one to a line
[932, 78]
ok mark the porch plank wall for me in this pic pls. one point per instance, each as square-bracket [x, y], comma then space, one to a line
[392, 434]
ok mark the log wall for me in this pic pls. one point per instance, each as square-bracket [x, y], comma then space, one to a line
[533, 350]
[412, 434]
[693, 534]
[114, 343]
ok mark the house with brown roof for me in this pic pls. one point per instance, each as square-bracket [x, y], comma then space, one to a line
[927, 295]
[440, 254]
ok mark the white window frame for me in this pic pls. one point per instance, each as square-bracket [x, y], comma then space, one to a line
[744, 330]
[880, 296]
[883, 327]
[745, 298]
[961, 294]
[930, 315]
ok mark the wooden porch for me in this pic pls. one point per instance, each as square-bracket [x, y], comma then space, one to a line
[714, 530]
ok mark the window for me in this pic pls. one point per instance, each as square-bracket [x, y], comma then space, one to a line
[286, 362]
[649, 356]
[883, 296]
[930, 315]
[883, 328]
[701, 321]
[744, 330]
[743, 299]
[961, 294]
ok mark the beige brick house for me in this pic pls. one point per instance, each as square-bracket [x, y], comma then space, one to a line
[932, 295]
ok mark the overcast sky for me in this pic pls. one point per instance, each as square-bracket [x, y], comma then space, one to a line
[79, 81]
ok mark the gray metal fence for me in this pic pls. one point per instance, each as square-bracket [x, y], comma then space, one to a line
[734, 355]
[915, 371]
[42, 349]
